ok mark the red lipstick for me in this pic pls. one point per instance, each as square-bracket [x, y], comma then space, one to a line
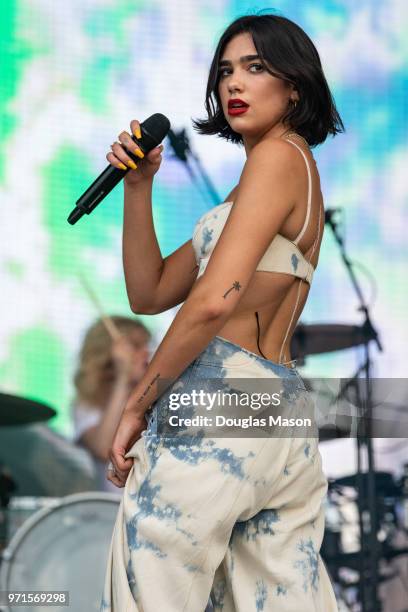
[236, 106]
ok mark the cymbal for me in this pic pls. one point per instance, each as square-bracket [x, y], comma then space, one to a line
[325, 338]
[16, 410]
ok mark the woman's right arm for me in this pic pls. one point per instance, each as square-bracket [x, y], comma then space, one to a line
[142, 259]
[153, 284]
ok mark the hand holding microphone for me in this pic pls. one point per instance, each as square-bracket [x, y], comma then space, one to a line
[140, 150]
[120, 158]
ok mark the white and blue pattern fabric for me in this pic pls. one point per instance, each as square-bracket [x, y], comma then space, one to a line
[239, 520]
[282, 255]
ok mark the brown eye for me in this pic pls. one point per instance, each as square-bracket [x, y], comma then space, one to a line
[257, 65]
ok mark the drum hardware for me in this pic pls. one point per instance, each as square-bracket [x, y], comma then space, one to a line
[351, 560]
[353, 581]
[341, 547]
[385, 485]
[388, 494]
[404, 496]
[326, 434]
[348, 585]
[7, 487]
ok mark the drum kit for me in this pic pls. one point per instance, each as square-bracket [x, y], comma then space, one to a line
[55, 526]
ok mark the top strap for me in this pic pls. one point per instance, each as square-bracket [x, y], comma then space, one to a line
[302, 231]
[309, 193]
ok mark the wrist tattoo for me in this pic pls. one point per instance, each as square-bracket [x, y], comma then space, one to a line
[235, 285]
[145, 392]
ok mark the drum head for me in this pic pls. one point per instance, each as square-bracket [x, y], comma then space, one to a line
[64, 548]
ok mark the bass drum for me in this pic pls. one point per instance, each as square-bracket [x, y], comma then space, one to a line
[20, 509]
[62, 548]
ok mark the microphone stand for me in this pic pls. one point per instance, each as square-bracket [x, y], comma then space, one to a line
[366, 499]
[180, 144]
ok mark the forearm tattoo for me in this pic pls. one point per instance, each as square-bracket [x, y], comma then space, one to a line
[235, 285]
[146, 391]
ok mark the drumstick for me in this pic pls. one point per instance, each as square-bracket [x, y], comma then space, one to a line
[110, 326]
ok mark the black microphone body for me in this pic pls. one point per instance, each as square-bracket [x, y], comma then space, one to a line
[153, 130]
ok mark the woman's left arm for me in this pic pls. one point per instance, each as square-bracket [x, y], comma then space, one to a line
[265, 200]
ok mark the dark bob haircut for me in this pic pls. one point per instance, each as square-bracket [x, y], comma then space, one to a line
[284, 46]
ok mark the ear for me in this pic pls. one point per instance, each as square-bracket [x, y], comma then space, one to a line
[294, 96]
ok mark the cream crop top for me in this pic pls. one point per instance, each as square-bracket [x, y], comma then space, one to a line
[282, 255]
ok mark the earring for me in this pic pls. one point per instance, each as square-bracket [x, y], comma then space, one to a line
[294, 103]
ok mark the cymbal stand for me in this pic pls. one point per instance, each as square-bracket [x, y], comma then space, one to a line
[366, 499]
[7, 486]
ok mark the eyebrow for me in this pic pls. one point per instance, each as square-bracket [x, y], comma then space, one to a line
[242, 60]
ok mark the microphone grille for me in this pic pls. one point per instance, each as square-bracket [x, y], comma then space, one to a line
[154, 129]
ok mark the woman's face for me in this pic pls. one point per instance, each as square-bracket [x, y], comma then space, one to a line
[246, 79]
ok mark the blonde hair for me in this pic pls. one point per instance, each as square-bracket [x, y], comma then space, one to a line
[95, 373]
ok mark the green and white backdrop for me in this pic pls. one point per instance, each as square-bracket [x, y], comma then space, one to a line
[73, 74]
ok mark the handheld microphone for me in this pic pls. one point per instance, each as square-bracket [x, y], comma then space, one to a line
[153, 130]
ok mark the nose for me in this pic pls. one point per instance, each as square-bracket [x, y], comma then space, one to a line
[236, 87]
[234, 83]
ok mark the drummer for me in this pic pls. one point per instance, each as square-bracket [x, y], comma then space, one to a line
[107, 371]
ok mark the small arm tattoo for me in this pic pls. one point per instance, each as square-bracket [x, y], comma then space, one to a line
[145, 392]
[235, 285]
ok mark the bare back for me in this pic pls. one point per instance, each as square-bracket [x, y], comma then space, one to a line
[267, 314]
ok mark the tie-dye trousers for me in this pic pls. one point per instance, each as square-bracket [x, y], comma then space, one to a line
[229, 519]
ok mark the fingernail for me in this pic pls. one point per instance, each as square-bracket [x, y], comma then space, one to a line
[131, 164]
[122, 166]
[137, 132]
[139, 153]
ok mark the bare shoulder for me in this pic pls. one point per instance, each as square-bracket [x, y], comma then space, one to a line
[274, 151]
[273, 162]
